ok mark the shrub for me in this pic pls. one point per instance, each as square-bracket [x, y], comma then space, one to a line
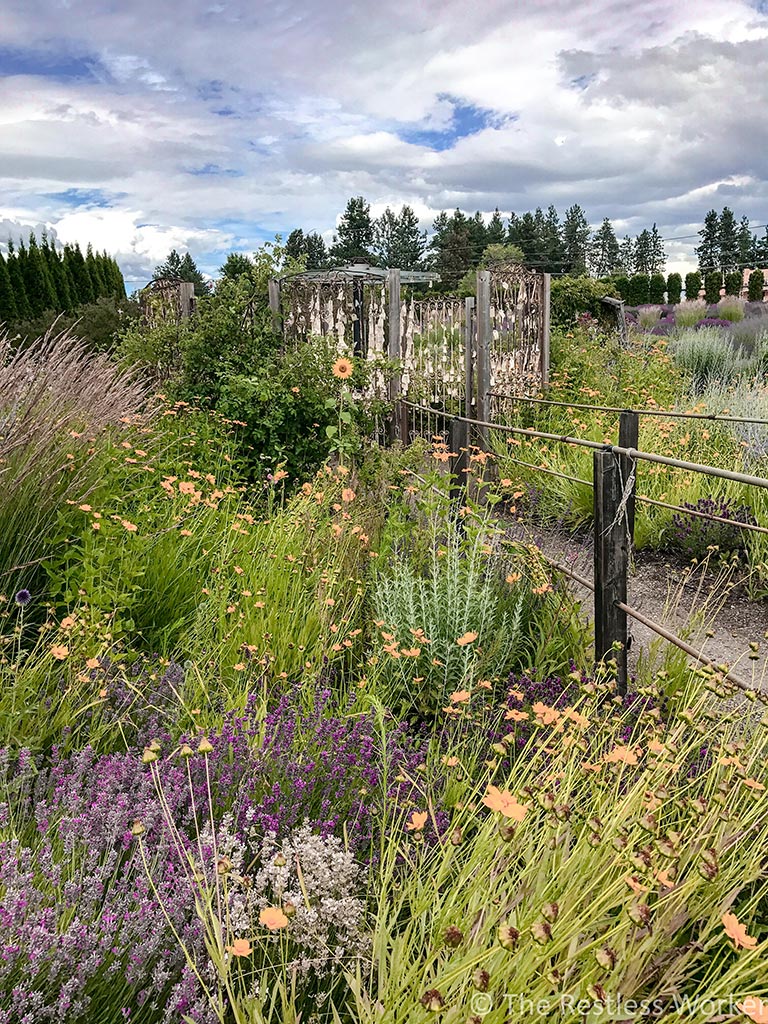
[56, 399]
[657, 288]
[692, 536]
[712, 283]
[639, 290]
[731, 308]
[706, 353]
[573, 295]
[648, 316]
[674, 288]
[756, 286]
[692, 285]
[733, 282]
[622, 286]
[690, 312]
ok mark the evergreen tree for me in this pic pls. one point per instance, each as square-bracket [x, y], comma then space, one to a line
[453, 254]
[237, 263]
[513, 229]
[760, 257]
[37, 280]
[385, 238]
[437, 241]
[119, 280]
[604, 250]
[576, 236]
[295, 248]
[674, 288]
[528, 238]
[658, 257]
[23, 309]
[317, 254]
[727, 241]
[626, 262]
[495, 234]
[83, 282]
[189, 272]
[755, 286]
[692, 285]
[713, 282]
[8, 311]
[643, 252]
[58, 274]
[554, 253]
[708, 249]
[747, 243]
[639, 290]
[98, 285]
[353, 242]
[478, 238]
[656, 288]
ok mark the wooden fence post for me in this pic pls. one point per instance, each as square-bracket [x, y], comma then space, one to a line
[484, 336]
[458, 442]
[629, 437]
[546, 298]
[611, 561]
[274, 304]
[399, 423]
[469, 365]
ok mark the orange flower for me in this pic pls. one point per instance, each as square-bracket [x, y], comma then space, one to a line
[514, 577]
[460, 696]
[273, 918]
[92, 663]
[417, 822]
[343, 368]
[621, 755]
[737, 933]
[130, 527]
[503, 801]
[466, 638]
[516, 716]
[347, 494]
[60, 651]
[751, 783]
[589, 767]
[187, 487]
[450, 762]
[240, 947]
[545, 714]
[755, 1009]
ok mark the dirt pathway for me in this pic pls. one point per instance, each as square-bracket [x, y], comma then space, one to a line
[714, 618]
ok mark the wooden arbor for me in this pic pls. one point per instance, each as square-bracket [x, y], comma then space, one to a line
[350, 302]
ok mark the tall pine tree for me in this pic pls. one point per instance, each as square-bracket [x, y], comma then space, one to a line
[495, 234]
[727, 241]
[353, 242]
[604, 250]
[23, 309]
[8, 311]
[576, 235]
[37, 280]
[708, 249]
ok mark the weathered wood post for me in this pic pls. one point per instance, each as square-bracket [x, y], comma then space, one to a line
[399, 422]
[611, 561]
[484, 336]
[629, 437]
[357, 318]
[469, 351]
[546, 299]
[274, 305]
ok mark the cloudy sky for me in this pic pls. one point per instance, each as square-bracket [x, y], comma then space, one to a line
[212, 125]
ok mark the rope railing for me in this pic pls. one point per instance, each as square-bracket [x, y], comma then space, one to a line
[663, 413]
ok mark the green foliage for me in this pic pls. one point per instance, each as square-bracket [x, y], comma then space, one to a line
[657, 288]
[693, 282]
[622, 285]
[639, 289]
[183, 268]
[98, 323]
[674, 288]
[713, 281]
[573, 295]
[756, 286]
[354, 238]
[398, 239]
[733, 282]
[8, 311]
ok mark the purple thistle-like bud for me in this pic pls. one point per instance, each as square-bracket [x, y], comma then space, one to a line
[23, 597]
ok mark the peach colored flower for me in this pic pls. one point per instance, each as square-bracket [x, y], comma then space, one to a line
[240, 947]
[273, 918]
[545, 714]
[621, 755]
[460, 696]
[751, 783]
[516, 716]
[347, 494]
[466, 638]
[60, 651]
[93, 663]
[503, 801]
[130, 527]
[737, 933]
[417, 821]
[755, 1009]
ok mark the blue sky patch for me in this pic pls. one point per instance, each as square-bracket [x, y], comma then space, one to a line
[213, 170]
[94, 197]
[466, 119]
[61, 66]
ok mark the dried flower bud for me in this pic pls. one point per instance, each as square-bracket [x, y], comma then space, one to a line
[453, 936]
[541, 932]
[698, 805]
[204, 746]
[224, 865]
[433, 1001]
[499, 748]
[550, 912]
[508, 936]
[506, 831]
[606, 957]
[481, 979]
[562, 812]
[137, 829]
[457, 837]
[148, 756]
[289, 909]
[547, 801]
[667, 849]
[186, 750]
[279, 861]
[597, 992]
[619, 842]
[640, 914]
[649, 823]
[594, 839]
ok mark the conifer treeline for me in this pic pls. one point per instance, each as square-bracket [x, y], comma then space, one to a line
[36, 278]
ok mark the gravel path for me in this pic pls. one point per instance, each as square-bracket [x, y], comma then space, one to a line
[715, 618]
